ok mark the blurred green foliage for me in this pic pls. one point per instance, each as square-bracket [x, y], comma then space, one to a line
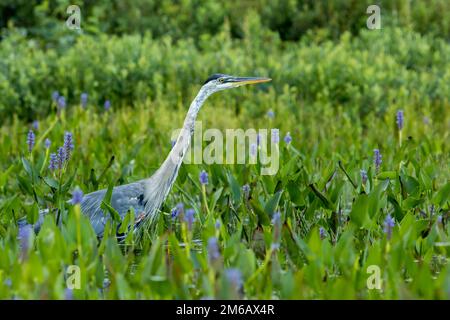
[291, 19]
[368, 73]
[128, 52]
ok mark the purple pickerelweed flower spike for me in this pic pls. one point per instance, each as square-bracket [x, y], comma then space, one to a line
[203, 177]
[68, 294]
[30, 140]
[61, 102]
[47, 143]
[61, 157]
[275, 133]
[388, 225]
[363, 176]
[68, 145]
[55, 96]
[174, 213]
[189, 217]
[287, 138]
[377, 159]
[7, 282]
[439, 219]
[218, 224]
[25, 233]
[253, 150]
[271, 114]
[53, 162]
[276, 220]
[213, 250]
[77, 196]
[246, 190]
[400, 119]
[322, 233]
[84, 99]
[179, 209]
[106, 283]
[35, 125]
[234, 277]
[107, 105]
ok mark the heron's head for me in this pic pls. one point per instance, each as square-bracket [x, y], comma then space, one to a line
[218, 81]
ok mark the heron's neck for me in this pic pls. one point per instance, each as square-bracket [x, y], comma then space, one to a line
[183, 141]
[158, 186]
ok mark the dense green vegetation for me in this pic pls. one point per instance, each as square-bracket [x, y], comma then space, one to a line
[308, 232]
[291, 19]
[377, 69]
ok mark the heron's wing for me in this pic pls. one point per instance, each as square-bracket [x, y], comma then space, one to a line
[122, 199]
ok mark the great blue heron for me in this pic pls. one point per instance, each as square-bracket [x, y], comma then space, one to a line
[146, 196]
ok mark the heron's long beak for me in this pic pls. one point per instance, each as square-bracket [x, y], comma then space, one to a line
[240, 81]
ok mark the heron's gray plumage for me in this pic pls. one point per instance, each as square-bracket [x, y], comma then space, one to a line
[123, 198]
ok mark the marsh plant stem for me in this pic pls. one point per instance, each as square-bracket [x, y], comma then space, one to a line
[262, 266]
[186, 238]
[78, 226]
[205, 203]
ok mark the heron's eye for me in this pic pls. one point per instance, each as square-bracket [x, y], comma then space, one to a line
[221, 80]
